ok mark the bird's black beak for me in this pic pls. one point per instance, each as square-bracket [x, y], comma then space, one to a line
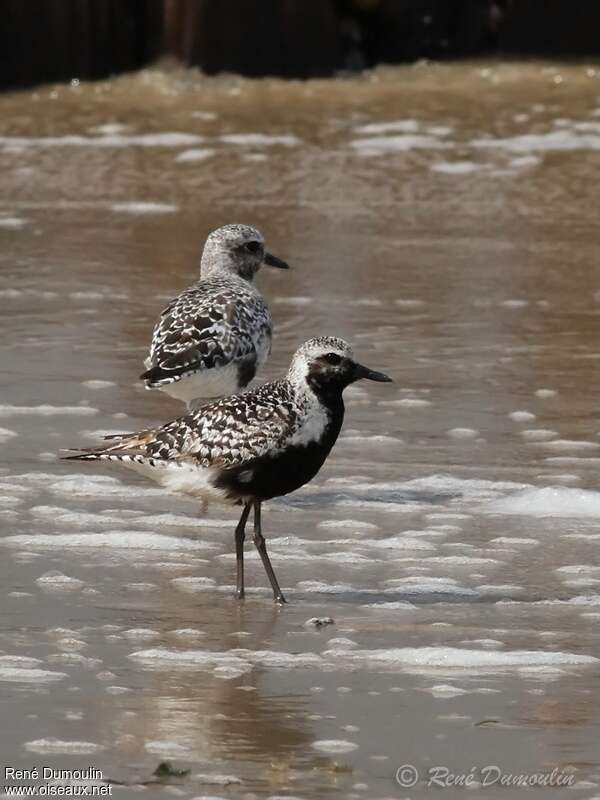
[273, 261]
[361, 372]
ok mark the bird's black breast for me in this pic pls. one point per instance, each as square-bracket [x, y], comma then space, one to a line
[283, 472]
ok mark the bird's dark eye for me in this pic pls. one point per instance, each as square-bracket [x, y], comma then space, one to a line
[332, 358]
[253, 247]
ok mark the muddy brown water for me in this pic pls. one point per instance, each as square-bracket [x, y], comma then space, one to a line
[444, 220]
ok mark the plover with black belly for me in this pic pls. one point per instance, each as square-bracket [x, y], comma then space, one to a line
[250, 447]
[212, 339]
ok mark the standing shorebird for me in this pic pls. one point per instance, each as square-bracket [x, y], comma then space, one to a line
[253, 446]
[212, 339]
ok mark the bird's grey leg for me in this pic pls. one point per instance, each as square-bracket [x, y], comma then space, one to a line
[261, 546]
[240, 535]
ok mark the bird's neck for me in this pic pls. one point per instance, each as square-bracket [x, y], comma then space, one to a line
[315, 393]
[223, 273]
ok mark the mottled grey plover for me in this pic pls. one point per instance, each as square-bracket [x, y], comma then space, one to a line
[252, 446]
[212, 339]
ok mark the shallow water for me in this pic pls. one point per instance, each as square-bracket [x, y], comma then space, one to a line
[444, 220]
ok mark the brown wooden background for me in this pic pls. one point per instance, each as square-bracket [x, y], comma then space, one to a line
[55, 40]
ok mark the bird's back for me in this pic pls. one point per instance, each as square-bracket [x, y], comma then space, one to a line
[262, 443]
[210, 340]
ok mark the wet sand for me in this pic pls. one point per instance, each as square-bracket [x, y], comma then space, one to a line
[444, 220]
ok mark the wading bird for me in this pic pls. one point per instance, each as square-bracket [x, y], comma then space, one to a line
[250, 447]
[212, 339]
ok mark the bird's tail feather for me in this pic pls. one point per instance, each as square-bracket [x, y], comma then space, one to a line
[127, 445]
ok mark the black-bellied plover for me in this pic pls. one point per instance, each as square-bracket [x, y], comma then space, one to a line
[253, 446]
[211, 340]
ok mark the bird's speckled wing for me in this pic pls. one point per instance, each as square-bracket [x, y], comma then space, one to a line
[210, 325]
[228, 433]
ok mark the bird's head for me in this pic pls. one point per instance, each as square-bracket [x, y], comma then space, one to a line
[326, 364]
[236, 250]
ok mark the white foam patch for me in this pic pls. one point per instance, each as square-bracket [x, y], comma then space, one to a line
[348, 525]
[525, 161]
[260, 139]
[548, 502]
[463, 433]
[562, 139]
[194, 584]
[398, 542]
[167, 749]
[58, 581]
[109, 128]
[406, 402]
[232, 663]
[57, 746]
[141, 634]
[492, 643]
[545, 394]
[463, 561]
[377, 439]
[98, 384]
[377, 505]
[456, 167]
[539, 434]
[140, 208]
[512, 541]
[521, 416]
[379, 145]
[334, 746]
[500, 590]
[47, 411]
[63, 517]
[117, 540]
[392, 606]
[580, 600]
[216, 779]
[236, 662]
[395, 126]
[321, 587]
[20, 669]
[189, 634]
[405, 302]
[570, 444]
[515, 303]
[457, 658]
[13, 223]
[579, 570]
[445, 690]
[85, 485]
[6, 434]
[10, 502]
[425, 584]
[108, 140]
[194, 155]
